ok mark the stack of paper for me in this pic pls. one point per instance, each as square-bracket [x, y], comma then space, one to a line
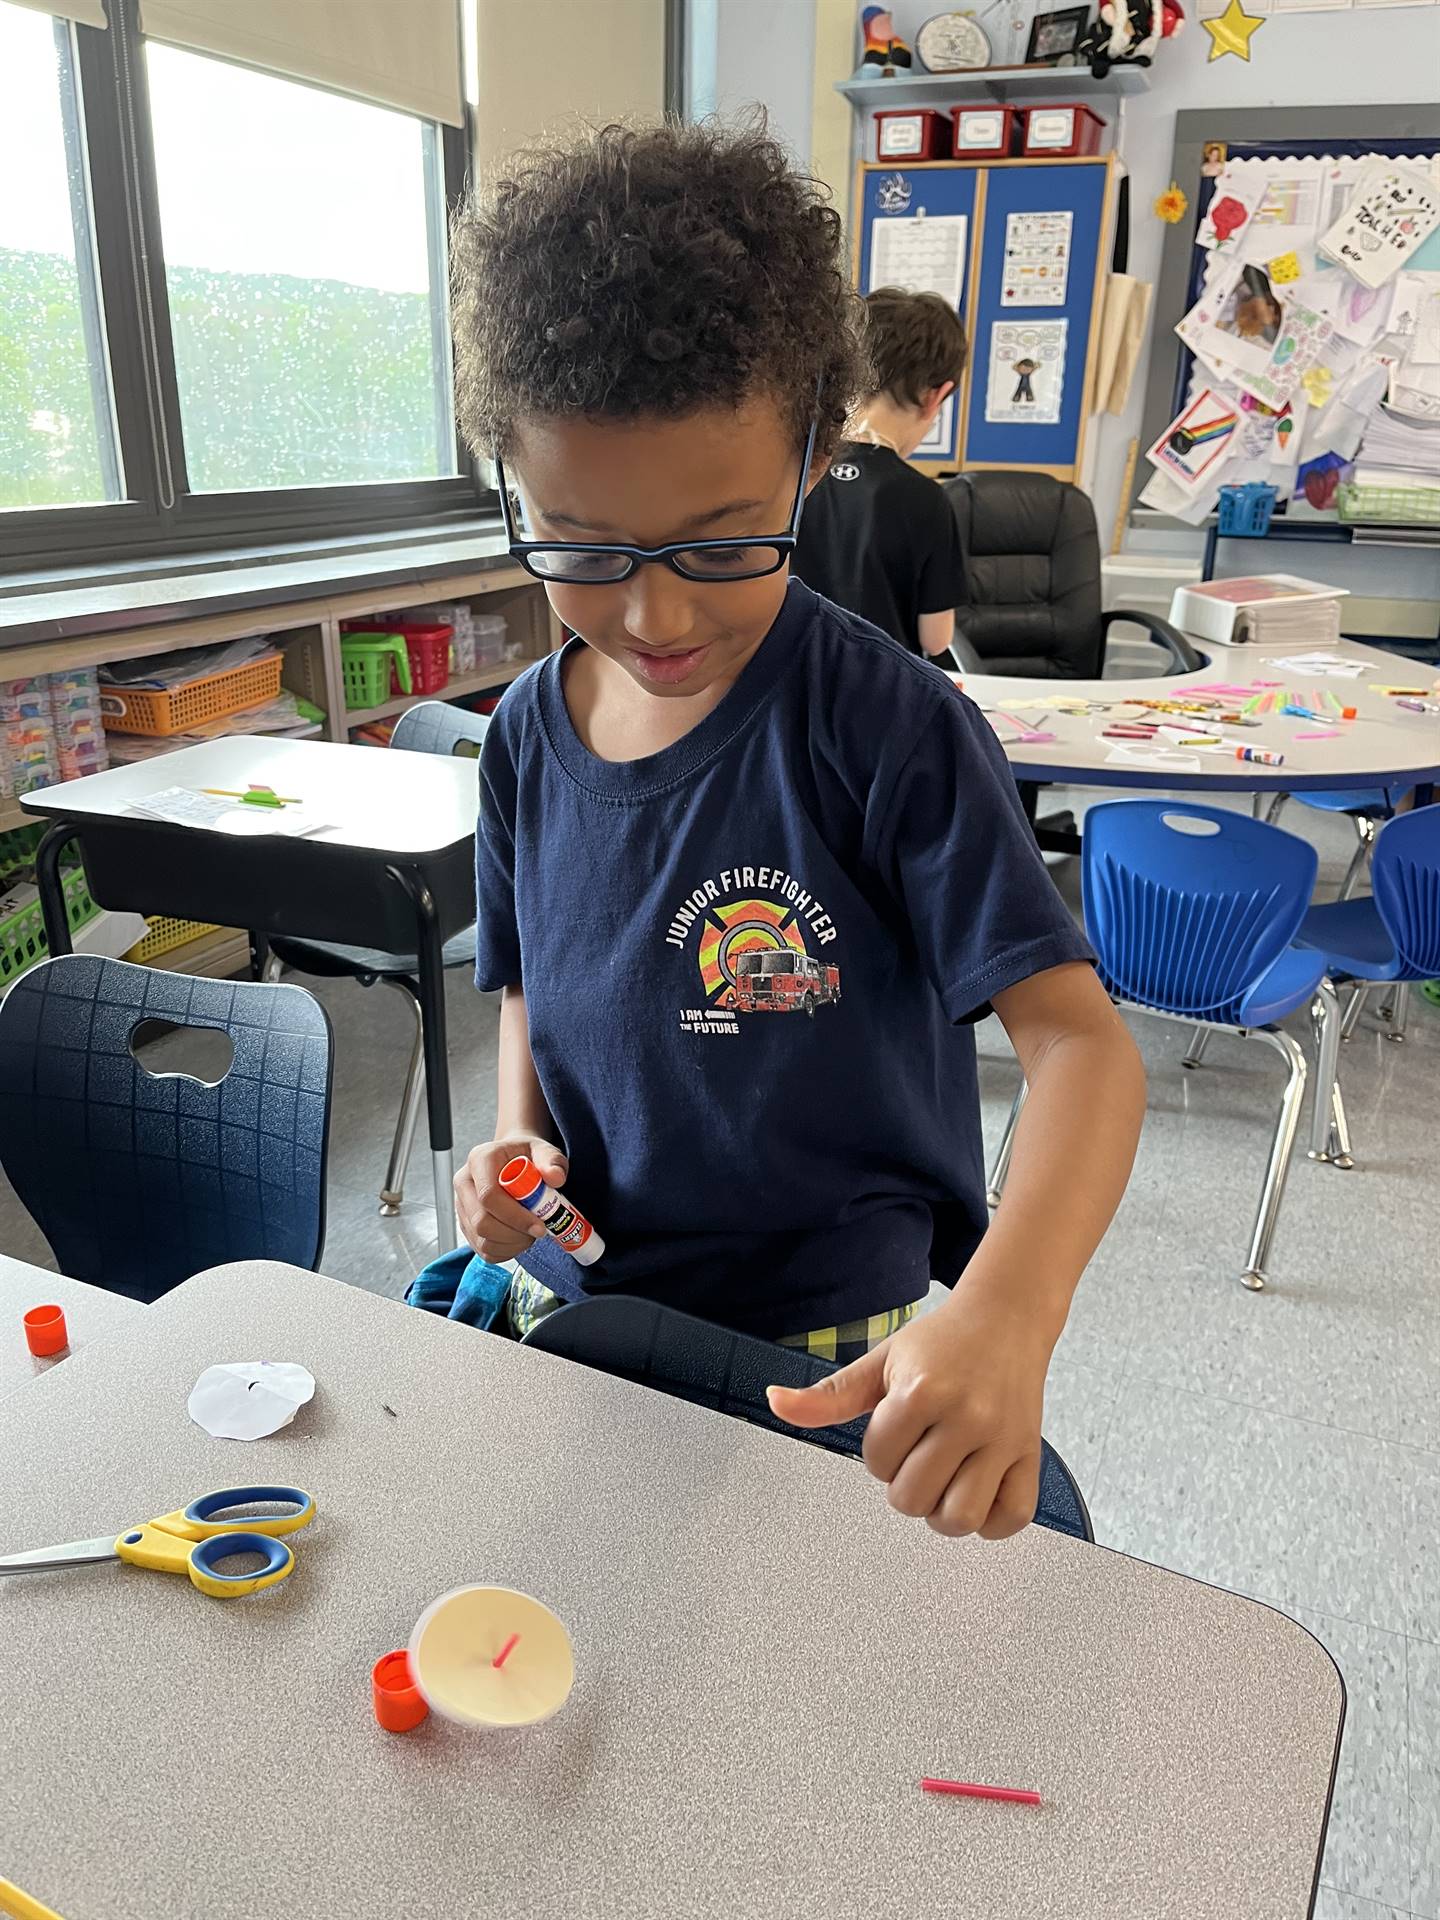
[1399, 452]
[1272, 609]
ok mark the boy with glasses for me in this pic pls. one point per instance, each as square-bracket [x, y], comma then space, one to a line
[746, 872]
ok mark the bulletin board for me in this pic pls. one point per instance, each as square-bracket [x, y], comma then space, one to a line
[1020, 251]
[1406, 133]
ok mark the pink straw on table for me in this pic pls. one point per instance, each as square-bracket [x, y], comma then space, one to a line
[970, 1791]
[505, 1652]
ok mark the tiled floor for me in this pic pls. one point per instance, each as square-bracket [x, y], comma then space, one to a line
[1285, 1445]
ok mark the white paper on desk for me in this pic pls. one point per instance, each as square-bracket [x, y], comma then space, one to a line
[1321, 666]
[1153, 757]
[185, 807]
[246, 1399]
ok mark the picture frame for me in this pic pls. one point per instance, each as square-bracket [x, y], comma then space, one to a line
[1055, 36]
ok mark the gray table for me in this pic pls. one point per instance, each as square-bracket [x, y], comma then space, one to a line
[394, 870]
[90, 1314]
[767, 1661]
[1383, 746]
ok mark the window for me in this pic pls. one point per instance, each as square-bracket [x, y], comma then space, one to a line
[57, 443]
[305, 269]
[223, 303]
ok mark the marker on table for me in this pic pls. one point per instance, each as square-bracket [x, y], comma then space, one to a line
[969, 1790]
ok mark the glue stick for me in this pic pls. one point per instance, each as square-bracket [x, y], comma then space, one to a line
[1263, 756]
[564, 1222]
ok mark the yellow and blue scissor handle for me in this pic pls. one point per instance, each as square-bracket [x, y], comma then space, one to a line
[196, 1540]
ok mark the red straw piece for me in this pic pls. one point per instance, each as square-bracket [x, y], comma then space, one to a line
[970, 1791]
[505, 1652]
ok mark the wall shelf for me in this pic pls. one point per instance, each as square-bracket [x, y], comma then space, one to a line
[990, 83]
[482, 680]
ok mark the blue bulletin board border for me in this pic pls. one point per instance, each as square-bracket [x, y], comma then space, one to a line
[986, 191]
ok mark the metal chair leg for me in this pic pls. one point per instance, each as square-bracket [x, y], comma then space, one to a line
[392, 1194]
[274, 967]
[1329, 1129]
[1195, 1052]
[1286, 1127]
[1354, 1008]
[1276, 808]
[1398, 1012]
[996, 1186]
[1366, 829]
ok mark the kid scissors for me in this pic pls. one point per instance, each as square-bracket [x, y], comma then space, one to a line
[192, 1540]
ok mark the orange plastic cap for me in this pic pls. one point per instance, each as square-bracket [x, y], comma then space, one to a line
[399, 1703]
[520, 1176]
[45, 1331]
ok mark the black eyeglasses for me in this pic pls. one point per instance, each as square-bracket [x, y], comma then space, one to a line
[577, 563]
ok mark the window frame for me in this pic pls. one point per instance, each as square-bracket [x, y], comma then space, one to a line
[160, 517]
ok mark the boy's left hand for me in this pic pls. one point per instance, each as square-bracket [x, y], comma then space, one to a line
[955, 1429]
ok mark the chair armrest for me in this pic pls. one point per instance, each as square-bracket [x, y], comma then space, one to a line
[1183, 656]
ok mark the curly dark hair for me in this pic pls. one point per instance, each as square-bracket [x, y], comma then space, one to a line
[652, 270]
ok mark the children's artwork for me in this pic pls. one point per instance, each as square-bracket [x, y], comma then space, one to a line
[1027, 372]
[1360, 312]
[922, 253]
[1037, 259]
[1413, 316]
[1249, 334]
[1228, 215]
[1284, 268]
[1392, 211]
[1197, 441]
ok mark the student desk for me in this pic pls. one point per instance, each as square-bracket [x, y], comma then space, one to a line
[767, 1661]
[1383, 746]
[395, 868]
[90, 1313]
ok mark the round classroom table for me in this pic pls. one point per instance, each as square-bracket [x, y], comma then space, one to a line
[90, 1313]
[1385, 745]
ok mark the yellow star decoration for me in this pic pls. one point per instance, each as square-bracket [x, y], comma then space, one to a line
[1231, 32]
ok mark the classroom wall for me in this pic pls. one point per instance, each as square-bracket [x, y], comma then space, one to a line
[741, 53]
[548, 63]
[1374, 54]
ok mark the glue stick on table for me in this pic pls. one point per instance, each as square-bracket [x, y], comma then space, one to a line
[563, 1221]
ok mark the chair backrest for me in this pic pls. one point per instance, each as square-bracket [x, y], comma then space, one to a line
[1188, 906]
[1405, 881]
[1032, 574]
[713, 1367]
[139, 1179]
[434, 726]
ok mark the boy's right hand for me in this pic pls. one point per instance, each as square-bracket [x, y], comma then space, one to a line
[497, 1227]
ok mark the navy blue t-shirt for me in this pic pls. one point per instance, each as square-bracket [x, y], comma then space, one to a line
[749, 963]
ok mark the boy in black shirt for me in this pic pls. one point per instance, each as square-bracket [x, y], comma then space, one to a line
[747, 872]
[879, 538]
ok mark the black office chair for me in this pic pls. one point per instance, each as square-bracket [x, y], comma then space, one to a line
[1032, 607]
[710, 1366]
[432, 727]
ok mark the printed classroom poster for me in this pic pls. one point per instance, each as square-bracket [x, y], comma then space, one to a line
[1037, 259]
[920, 254]
[1027, 372]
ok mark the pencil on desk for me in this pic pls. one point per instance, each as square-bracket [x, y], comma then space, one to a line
[15, 1905]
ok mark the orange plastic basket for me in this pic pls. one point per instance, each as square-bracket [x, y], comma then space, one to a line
[171, 710]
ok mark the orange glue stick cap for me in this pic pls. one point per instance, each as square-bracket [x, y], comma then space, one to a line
[399, 1703]
[520, 1177]
[45, 1331]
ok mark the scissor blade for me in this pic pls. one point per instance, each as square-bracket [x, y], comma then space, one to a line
[74, 1553]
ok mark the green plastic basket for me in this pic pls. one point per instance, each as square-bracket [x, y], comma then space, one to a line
[22, 925]
[1403, 506]
[366, 660]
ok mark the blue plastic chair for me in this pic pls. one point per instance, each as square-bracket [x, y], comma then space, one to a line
[714, 1367]
[138, 1179]
[433, 726]
[1192, 911]
[1394, 936]
[1366, 807]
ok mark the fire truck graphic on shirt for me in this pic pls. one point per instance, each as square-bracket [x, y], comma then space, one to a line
[752, 948]
[782, 983]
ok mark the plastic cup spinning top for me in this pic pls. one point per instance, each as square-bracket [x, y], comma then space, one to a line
[492, 1657]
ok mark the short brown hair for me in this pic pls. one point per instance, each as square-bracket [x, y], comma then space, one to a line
[916, 342]
[652, 270]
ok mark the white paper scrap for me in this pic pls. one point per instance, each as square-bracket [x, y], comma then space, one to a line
[246, 1399]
